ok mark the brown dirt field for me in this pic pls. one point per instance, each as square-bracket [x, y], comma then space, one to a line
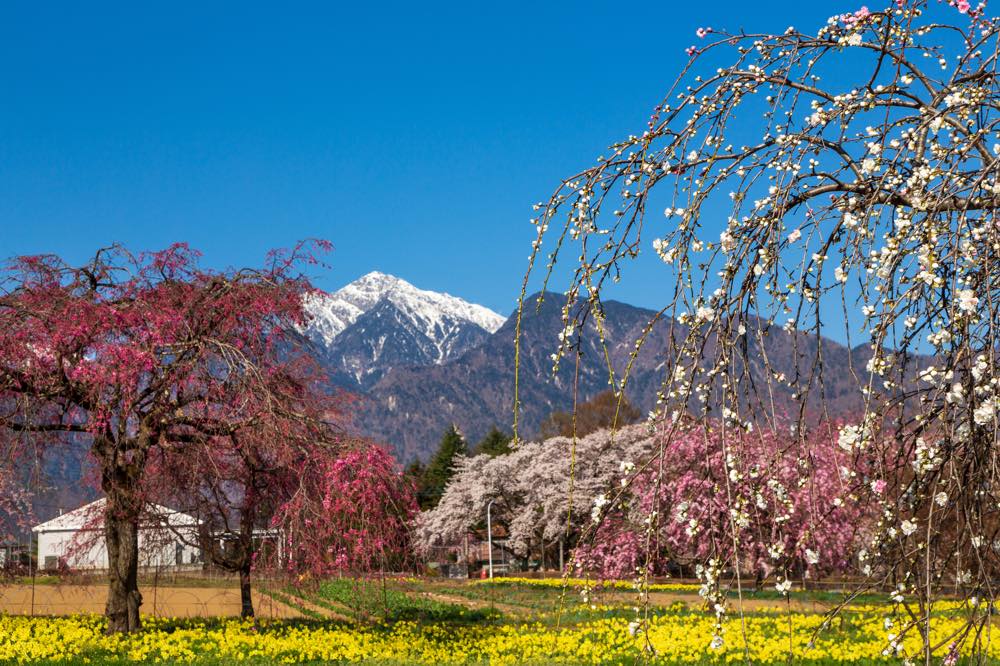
[161, 601]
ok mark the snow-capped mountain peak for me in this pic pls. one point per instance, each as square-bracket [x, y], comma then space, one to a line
[380, 319]
[333, 313]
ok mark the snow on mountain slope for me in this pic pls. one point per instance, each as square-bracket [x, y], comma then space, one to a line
[381, 321]
[335, 312]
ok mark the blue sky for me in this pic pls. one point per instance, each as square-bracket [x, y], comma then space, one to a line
[413, 136]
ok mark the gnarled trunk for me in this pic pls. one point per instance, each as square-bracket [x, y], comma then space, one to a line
[246, 600]
[121, 471]
[246, 559]
[121, 535]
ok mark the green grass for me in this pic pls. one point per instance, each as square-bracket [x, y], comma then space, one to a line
[389, 601]
[37, 580]
[531, 593]
[530, 598]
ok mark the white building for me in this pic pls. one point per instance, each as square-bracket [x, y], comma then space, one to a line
[167, 538]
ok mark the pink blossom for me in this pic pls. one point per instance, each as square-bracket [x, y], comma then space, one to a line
[703, 32]
[856, 17]
[691, 50]
[361, 509]
[963, 6]
[697, 525]
[952, 657]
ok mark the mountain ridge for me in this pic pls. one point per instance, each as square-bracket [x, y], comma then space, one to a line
[379, 322]
[409, 407]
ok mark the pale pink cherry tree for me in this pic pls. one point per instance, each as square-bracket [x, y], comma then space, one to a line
[140, 352]
[836, 182]
[541, 496]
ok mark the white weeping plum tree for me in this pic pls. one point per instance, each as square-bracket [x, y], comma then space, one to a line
[841, 183]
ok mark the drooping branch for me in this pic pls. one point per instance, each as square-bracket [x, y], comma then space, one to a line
[830, 184]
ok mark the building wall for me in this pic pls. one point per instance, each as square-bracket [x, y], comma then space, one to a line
[480, 550]
[86, 549]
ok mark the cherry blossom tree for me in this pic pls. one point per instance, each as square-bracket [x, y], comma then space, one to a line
[145, 352]
[226, 486]
[838, 182]
[540, 495]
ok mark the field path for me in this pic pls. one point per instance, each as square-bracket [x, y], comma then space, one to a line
[474, 604]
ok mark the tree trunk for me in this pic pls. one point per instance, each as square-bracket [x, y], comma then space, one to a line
[121, 535]
[246, 552]
[121, 470]
[246, 601]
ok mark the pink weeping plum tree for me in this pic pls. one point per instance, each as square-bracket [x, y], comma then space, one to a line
[792, 500]
[351, 513]
[150, 354]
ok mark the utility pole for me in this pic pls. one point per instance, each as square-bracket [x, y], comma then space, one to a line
[489, 534]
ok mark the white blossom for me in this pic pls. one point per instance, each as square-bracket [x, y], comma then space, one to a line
[967, 301]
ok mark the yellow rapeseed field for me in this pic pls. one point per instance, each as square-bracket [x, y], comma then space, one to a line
[673, 637]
